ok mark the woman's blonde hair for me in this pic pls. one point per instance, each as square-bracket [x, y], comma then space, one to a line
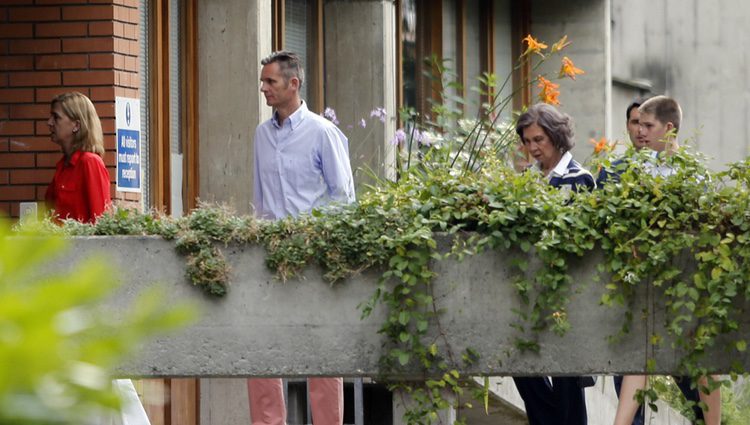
[78, 107]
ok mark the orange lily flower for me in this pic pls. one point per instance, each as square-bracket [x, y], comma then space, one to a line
[600, 146]
[533, 45]
[561, 44]
[548, 91]
[568, 69]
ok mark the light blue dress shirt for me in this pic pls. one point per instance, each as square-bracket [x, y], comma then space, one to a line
[300, 165]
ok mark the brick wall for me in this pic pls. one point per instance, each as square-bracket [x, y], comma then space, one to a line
[52, 46]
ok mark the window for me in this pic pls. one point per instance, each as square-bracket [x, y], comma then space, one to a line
[298, 27]
[471, 36]
[171, 105]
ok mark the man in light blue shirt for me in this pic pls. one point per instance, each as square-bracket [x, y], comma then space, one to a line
[301, 163]
[301, 158]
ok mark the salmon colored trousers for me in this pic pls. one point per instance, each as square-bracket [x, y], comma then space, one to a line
[267, 405]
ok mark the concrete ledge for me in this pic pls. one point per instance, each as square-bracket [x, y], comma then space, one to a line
[308, 327]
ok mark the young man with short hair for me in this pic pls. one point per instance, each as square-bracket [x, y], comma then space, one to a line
[658, 124]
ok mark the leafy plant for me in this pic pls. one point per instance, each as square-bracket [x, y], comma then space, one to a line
[58, 347]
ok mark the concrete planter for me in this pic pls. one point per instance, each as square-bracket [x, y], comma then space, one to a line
[308, 327]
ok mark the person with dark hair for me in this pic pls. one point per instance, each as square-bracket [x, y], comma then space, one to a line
[632, 116]
[80, 187]
[547, 135]
[301, 163]
[659, 122]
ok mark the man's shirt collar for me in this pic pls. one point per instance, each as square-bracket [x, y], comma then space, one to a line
[295, 119]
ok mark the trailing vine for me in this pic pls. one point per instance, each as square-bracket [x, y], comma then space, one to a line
[460, 184]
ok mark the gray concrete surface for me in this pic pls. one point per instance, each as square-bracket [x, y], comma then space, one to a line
[308, 327]
[233, 36]
[360, 75]
[693, 51]
[588, 99]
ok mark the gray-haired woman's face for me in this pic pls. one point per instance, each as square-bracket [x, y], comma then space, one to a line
[540, 146]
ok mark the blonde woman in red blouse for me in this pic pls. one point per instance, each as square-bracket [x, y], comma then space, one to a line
[80, 188]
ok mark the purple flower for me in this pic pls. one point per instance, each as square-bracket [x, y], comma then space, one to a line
[398, 137]
[362, 123]
[423, 138]
[379, 113]
[330, 114]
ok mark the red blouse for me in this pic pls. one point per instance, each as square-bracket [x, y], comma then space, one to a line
[79, 189]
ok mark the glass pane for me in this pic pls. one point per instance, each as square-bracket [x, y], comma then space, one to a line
[296, 30]
[503, 51]
[175, 106]
[473, 59]
[409, 52]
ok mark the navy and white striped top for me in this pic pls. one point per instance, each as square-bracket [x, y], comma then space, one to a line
[569, 175]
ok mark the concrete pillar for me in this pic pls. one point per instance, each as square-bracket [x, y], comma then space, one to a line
[233, 36]
[360, 75]
[588, 99]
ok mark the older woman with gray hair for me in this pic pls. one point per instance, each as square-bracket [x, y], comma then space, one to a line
[547, 135]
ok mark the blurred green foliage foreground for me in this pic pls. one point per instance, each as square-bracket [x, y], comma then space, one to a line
[58, 344]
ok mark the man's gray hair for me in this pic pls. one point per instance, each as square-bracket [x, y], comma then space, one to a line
[557, 125]
[289, 63]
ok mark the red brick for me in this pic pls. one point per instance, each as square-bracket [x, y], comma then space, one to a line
[129, 3]
[109, 138]
[16, 128]
[3, 14]
[95, 44]
[89, 78]
[4, 177]
[16, 95]
[131, 31]
[3, 80]
[16, 30]
[67, 29]
[17, 193]
[29, 111]
[41, 191]
[88, 13]
[62, 62]
[105, 109]
[33, 144]
[41, 128]
[58, 1]
[16, 63]
[121, 13]
[46, 95]
[99, 94]
[16, 160]
[4, 114]
[118, 29]
[3, 145]
[102, 28]
[35, 79]
[17, 2]
[28, 47]
[3, 46]
[34, 14]
[31, 176]
[102, 61]
[47, 160]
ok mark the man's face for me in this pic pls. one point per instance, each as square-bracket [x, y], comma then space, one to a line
[275, 88]
[633, 125]
[652, 132]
